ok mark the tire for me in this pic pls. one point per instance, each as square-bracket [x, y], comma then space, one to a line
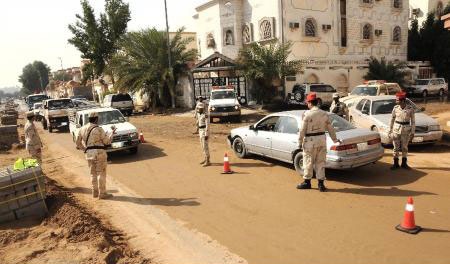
[237, 119]
[441, 92]
[299, 96]
[298, 162]
[44, 123]
[425, 94]
[133, 151]
[211, 120]
[239, 148]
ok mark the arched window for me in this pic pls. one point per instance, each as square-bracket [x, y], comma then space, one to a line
[229, 39]
[265, 29]
[367, 32]
[310, 28]
[397, 3]
[397, 34]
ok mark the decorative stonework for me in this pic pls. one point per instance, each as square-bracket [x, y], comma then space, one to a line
[210, 42]
[247, 33]
[267, 28]
[228, 36]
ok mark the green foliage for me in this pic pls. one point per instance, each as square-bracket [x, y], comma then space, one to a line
[265, 64]
[142, 63]
[388, 71]
[431, 43]
[97, 39]
[34, 77]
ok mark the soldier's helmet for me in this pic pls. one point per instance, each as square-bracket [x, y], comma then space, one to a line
[30, 114]
[93, 114]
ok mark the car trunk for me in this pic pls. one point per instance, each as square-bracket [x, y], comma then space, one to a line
[359, 140]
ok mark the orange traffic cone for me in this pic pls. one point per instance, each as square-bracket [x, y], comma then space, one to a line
[141, 137]
[226, 165]
[408, 224]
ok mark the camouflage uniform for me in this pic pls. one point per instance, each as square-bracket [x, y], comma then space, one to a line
[203, 129]
[95, 154]
[339, 109]
[402, 128]
[313, 142]
[33, 141]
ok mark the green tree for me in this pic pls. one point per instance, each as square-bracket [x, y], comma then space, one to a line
[34, 77]
[414, 42]
[265, 64]
[141, 65]
[97, 38]
[388, 71]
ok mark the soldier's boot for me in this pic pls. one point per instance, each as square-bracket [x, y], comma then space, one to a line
[405, 164]
[395, 166]
[304, 185]
[207, 163]
[322, 187]
[95, 193]
[203, 161]
[104, 196]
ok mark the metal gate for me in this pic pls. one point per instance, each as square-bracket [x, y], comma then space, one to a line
[202, 86]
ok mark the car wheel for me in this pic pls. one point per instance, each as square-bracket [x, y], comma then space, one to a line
[299, 96]
[237, 119]
[211, 120]
[133, 150]
[298, 162]
[239, 148]
[425, 94]
[441, 92]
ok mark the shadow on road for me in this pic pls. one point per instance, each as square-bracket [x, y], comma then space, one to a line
[142, 201]
[146, 151]
[432, 230]
[245, 165]
[393, 191]
[376, 175]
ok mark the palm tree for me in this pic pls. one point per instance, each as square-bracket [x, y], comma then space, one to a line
[388, 71]
[141, 65]
[266, 64]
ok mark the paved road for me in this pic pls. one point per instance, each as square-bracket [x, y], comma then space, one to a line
[258, 214]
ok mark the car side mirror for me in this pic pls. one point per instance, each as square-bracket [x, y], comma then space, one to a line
[252, 127]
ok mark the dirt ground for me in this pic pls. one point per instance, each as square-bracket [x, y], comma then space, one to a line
[172, 209]
[70, 233]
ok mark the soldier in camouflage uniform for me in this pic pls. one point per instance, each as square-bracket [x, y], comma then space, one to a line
[93, 140]
[402, 129]
[33, 142]
[203, 129]
[313, 142]
[339, 108]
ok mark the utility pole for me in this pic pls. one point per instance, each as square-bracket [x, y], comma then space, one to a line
[62, 69]
[168, 38]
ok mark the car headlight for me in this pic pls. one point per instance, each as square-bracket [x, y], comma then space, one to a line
[237, 107]
[434, 128]
[134, 135]
[212, 108]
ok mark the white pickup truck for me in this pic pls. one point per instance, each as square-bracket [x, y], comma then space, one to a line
[126, 137]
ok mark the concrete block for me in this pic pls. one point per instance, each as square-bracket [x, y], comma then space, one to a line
[13, 205]
[7, 217]
[35, 209]
[23, 202]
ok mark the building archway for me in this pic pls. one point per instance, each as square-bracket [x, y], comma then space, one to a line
[312, 78]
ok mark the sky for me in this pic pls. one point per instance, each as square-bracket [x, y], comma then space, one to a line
[37, 30]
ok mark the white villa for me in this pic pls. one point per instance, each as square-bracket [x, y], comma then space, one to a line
[335, 38]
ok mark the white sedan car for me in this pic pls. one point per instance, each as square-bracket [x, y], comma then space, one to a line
[276, 136]
[375, 112]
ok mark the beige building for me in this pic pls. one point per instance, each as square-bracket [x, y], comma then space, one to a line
[335, 38]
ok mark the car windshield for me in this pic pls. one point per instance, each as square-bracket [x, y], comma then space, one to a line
[339, 123]
[37, 105]
[60, 104]
[110, 117]
[37, 98]
[223, 95]
[386, 106]
[421, 82]
[365, 90]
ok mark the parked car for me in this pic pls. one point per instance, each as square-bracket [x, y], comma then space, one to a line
[126, 138]
[223, 103]
[300, 91]
[56, 113]
[276, 136]
[35, 98]
[121, 101]
[37, 110]
[375, 112]
[371, 88]
[426, 87]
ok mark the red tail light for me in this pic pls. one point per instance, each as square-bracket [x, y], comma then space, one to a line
[374, 141]
[343, 147]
